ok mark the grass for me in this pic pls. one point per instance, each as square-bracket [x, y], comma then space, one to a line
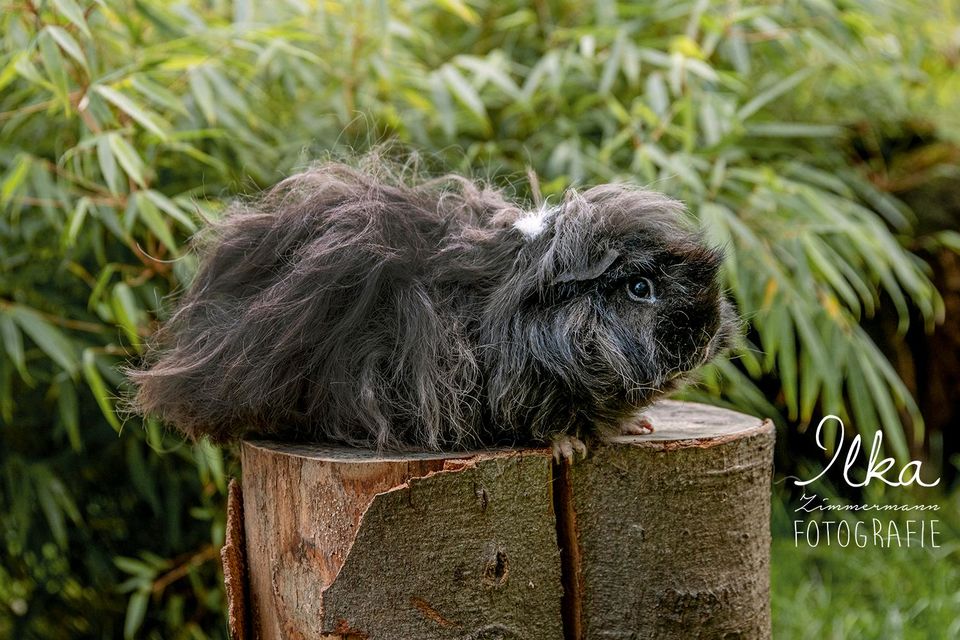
[828, 592]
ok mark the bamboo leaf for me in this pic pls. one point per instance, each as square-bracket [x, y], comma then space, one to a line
[15, 178]
[149, 121]
[465, 93]
[148, 212]
[77, 218]
[737, 50]
[544, 67]
[612, 66]
[212, 459]
[127, 313]
[819, 261]
[656, 93]
[809, 337]
[862, 408]
[51, 340]
[136, 612]
[69, 411]
[188, 150]
[461, 10]
[169, 207]
[26, 69]
[676, 74]
[778, 89]
[788, 369]
[9, 72]
[51, 511]
[13, 344]
[63, 499]
[631, 63]
[53, 63]
[228, 96]
[710, 123]
[68, 44]
[108, 164]
[98, 387]
[811, 382]
[793, 130]
[202, 94]
[158, 94]
[443, 105]
[135, 567]
[72, 12]
[143, 479]
[128, 158]
[887, 413]
[485, 70]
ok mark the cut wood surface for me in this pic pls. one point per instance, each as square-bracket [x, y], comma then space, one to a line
[658, 536]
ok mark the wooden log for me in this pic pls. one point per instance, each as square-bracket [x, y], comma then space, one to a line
[664, 535]
[347, 544]
[673, 528]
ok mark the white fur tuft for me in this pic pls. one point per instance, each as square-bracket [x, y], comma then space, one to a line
[533, 223]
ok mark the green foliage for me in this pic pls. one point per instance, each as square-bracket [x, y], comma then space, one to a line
[124, 124]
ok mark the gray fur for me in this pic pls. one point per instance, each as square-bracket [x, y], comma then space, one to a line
[347, 307]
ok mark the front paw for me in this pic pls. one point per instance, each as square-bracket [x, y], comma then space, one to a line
[638, 426]
[565, 446]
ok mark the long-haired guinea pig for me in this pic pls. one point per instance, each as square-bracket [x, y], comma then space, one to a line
[350, 308]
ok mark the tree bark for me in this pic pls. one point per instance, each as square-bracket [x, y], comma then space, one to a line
[233, 558]
[657, 536]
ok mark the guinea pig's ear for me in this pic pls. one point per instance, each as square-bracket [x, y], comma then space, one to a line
[589, 271]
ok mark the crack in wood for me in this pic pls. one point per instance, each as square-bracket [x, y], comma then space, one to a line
[568, 541]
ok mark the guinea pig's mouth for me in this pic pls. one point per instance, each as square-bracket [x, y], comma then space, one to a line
[702, 355]
[719, 340]
[722, 338]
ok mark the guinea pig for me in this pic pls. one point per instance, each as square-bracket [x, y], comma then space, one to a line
[346, 307]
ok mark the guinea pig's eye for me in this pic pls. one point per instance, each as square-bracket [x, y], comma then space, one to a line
[640, 289]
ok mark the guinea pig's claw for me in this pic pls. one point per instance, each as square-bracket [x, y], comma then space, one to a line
[566, 446]
[639, 426]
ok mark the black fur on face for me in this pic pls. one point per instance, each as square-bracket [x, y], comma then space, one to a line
[346, 307]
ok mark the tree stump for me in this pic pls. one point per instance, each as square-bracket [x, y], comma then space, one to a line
[659, 536]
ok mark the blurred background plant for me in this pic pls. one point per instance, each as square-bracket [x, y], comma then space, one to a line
[817, 140]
